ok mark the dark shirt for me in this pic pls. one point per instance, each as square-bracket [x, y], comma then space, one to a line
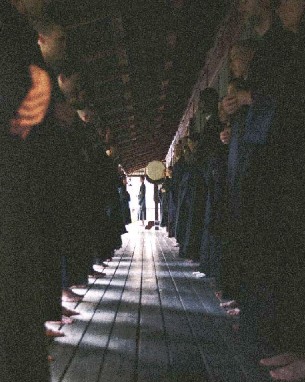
[278, 71]
[210, 144]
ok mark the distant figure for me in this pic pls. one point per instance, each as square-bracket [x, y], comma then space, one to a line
[125, 199]
[142, 201]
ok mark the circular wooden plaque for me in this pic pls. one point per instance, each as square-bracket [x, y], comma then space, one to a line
[155, 170]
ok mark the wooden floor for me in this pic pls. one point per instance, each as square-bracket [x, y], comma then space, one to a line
[150, 320]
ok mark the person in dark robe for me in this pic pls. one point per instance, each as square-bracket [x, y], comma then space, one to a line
[274, 267]
[72, 225]
[52, 43]
[163, 197]
[192, 204]
[114, 210]
[125, 199]
[284, 179]
[213, 164]
[171, 205]
[233, 243]
[178, 169]
[24, 99]
[84, 184]
[142, 200]
[105, 211]
[241, 55]
[182, 209]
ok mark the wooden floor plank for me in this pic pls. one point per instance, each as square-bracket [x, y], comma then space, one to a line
[76, 354]
[120, 360]
[231, 353]
[151, 320]
[186, 360]
[94, 342]
[153, 361]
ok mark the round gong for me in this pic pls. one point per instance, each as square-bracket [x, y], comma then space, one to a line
[155, 170]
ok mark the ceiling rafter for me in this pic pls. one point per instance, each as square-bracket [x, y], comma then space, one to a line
[143, 57]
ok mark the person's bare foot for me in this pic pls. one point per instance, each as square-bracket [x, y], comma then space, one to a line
[233, 312]
[189, 261]
[68, 312]
[229, 304]
[64, 321]
[69, 296]
[99, 268]
[79, 286]
[295, 371]
[67, 320]
[279, 360]
[97, 275]
[54, 333]
[54, 322]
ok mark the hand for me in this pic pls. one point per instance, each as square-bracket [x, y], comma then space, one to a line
[243, 97]
[232, 103]
[225, 136]
[35, 105]
[223, 116]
